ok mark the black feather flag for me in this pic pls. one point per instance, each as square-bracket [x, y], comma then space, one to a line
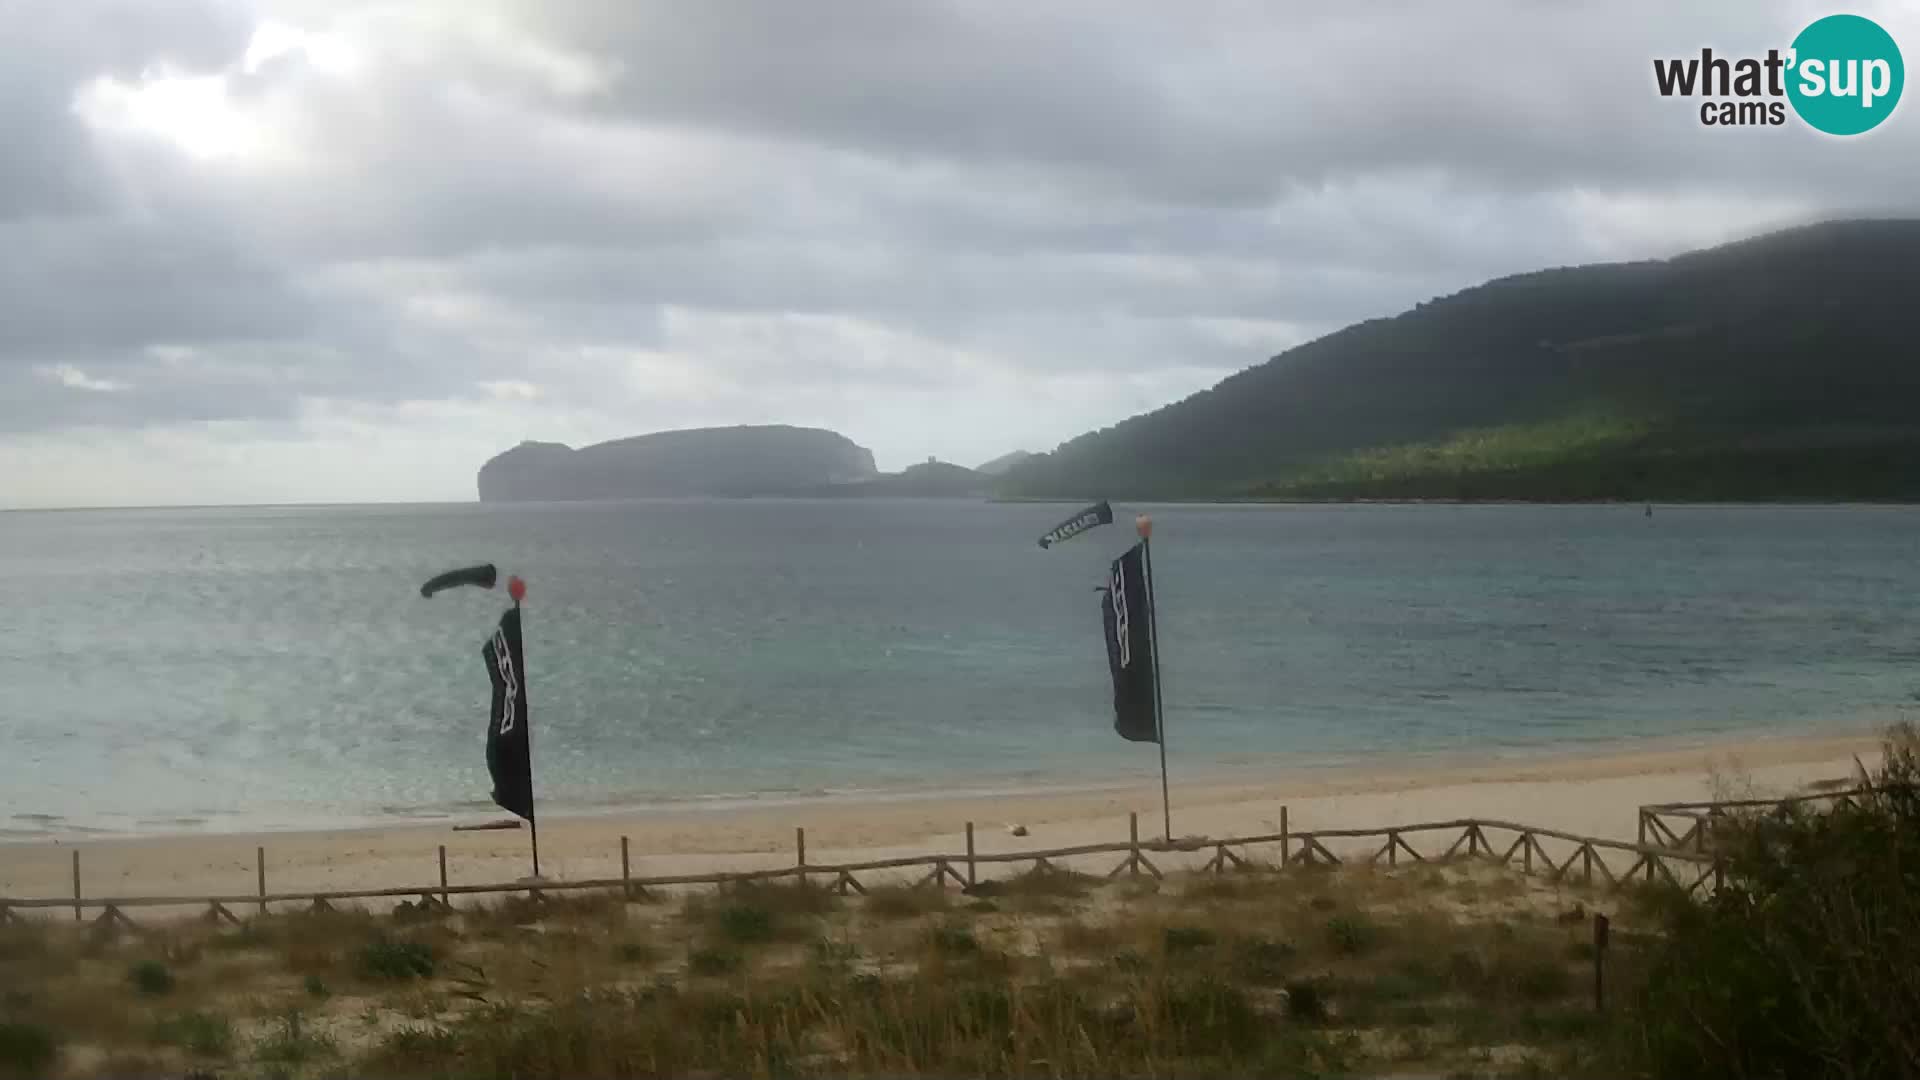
[1097, 514]
[509, 757]
[1126, 609]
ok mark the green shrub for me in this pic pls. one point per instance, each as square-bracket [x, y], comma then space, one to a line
[1349, 934]
[952, 940]
[710, 960]
[1542, 980]
[1262, 962]
[745, 924]
[151, 977]
[904, 901]
[1054, 883]
[634, 952]
[207, 1035]
[1184, 938]
[1807, 964]
[781, 899]
[387, 960]
[1465, 970]
[1305, 1003]
[26, 1050]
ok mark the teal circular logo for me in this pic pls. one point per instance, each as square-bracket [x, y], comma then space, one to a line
[1846, 75]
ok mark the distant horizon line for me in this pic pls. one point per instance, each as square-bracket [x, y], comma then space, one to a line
[1781, 501]
[322, 504]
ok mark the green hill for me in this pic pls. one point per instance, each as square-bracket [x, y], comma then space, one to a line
[731, 461]
[1784, 366]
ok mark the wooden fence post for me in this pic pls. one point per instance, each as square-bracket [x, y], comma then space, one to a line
[800, 846]
[1133, 844]
[1599, 962]
[76, 884]
[626, 871]
[260, 875]
[1286, 840]
[445, 897]
[971, 879]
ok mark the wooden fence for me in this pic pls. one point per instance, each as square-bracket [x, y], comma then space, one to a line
[1689, 826]
[1582, 858]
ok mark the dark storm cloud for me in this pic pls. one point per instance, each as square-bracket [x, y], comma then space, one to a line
[1210, 104]
[738, 209]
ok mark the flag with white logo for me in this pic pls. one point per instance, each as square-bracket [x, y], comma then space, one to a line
[1126, 609]
[509, 760]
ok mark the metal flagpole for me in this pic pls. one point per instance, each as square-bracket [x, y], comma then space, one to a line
[1144, 525]
[533, 819]
[517, 589]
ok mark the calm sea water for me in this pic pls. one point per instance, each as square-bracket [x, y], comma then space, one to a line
[240, 668]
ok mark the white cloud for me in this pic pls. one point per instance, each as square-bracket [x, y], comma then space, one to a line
[74, 379]
[197, 114]
[511, 390]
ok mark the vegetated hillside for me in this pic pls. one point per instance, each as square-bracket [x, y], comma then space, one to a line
[1005, 462]
[1780, 366]
[731, 461]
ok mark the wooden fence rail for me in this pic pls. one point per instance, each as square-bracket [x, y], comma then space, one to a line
[1689, 825]
[1584, 857]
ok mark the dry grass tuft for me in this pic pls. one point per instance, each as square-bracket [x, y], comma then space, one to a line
[905, 901]
[1241, 973]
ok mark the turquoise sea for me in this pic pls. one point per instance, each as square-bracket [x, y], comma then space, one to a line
[187, 670]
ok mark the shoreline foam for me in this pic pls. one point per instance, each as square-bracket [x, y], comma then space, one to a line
[1233, 771]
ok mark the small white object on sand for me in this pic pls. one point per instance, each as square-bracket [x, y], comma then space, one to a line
[1016, 830]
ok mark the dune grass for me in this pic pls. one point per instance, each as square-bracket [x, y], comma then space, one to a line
[1457, 968]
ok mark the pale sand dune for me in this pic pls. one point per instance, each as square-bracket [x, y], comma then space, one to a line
[1594, 794]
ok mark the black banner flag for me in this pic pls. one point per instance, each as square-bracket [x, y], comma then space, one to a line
[1097, 514]
[1126, 607]
[509, 759]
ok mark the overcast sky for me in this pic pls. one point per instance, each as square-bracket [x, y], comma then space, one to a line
[323, 250]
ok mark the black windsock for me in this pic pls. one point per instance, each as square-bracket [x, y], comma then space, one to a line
[1099, 513]
[483, 575]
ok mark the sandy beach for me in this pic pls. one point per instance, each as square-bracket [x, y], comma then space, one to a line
[1592, 794]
